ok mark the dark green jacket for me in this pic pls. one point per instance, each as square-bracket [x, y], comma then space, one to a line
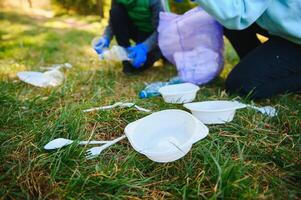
[140, 13]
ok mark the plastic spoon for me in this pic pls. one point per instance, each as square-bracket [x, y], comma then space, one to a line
[124, 105]
[61, 142]
[120, 104]
[103, 107]
[266, 110]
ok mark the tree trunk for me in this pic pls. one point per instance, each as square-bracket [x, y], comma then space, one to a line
[30, 3]
[100, 8]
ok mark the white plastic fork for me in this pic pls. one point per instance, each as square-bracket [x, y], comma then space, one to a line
[61, 142]
[118, 104]
[266, 110]
[95, 151]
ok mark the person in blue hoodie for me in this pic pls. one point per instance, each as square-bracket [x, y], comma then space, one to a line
[269, 68]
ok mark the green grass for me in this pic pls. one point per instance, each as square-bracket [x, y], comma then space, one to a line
[253, 157]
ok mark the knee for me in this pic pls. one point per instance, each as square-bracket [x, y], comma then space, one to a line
[228, 32]
[116, 12]
[243, 86]
[232, 35]
[233, 83]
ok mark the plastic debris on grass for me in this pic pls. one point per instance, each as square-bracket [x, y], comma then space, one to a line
[118, 104]
[51, 78]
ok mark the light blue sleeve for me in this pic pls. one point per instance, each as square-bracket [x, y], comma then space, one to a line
[235, 14]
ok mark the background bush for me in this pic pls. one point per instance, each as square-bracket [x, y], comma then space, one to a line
[97, 6]
[180, 8]
[81, 6]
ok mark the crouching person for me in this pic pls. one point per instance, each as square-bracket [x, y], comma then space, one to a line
[269, 68]
[135, 20]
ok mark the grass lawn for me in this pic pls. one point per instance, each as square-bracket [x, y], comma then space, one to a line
[253, 157]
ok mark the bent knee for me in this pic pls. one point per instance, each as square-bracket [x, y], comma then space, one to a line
[233, 83]
[116, 11]
[244, 87]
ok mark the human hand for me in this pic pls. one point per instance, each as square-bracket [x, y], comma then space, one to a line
[101, 44]
[138, 55]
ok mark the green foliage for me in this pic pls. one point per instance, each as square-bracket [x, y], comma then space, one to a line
[182, 7]
[95, 6]
[80, 6]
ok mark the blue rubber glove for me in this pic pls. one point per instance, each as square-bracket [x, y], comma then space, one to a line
[179, 1]
[138, 55]
[101, 44]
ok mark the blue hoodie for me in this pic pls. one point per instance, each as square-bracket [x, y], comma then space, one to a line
[279, 17]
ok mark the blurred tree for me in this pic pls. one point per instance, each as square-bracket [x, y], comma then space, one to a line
[100, 7]
[81, 6]
[182, 7]
[30, 3]
[87, 7]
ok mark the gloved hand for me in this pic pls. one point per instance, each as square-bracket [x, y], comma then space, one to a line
[138, 54]
[179, 1]
[101, 44]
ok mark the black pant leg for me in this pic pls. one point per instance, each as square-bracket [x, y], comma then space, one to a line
[272, 68]
[123, 28]
[244, 41]
[121, 24]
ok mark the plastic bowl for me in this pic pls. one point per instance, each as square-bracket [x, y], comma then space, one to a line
[165, 136]
[214, 112]
[179, 93]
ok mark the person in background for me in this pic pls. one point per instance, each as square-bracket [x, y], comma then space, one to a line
[136, 20]
[269, 68]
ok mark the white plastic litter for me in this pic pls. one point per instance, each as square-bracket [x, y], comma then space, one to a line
[179, 93]
[57, 66]
[165, 136]
[96, 151]
[214, 112]
[90, 153]
[118, 104]
[220, 112]
[51, 78]
[116, 53]
[266, 110]
[61, 142]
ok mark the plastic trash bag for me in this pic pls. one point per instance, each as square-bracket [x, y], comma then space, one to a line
[198, 66]
[51, 78]
[116, 53]
[194, 43]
